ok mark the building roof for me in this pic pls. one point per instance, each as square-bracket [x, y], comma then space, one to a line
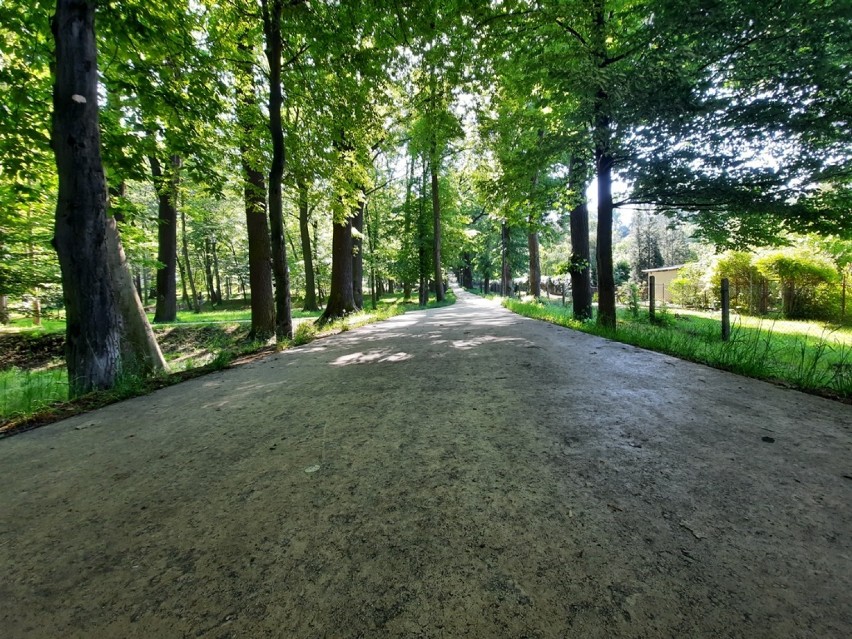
[676, 267]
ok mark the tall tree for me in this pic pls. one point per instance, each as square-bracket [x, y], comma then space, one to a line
[254, 197]
[93, 333]
[272, 26]
[166, 184]
[580, 263]
[101, 305]
[310, 303]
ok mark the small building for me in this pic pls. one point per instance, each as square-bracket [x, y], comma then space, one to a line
[663, 278]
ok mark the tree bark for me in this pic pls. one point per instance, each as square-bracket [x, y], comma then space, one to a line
[272, 10]
[358, 256]
[535, 264]
[93, 321]
[606, 279]
[505, 266]
[187, 302]
[341, 300]
[307, 256]
[260, 253]
[166, 187]
[423, 259]
[208, 272]
[602, 135]
[467, 270]
[196, 306]
[4, 309]
[216, 277]
[581, 276]
[406, 234]
[140, 353]
[317, 279]
[254, 197]
[376, 280]
[436, 226]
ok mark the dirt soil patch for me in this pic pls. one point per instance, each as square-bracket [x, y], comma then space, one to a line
[460, 472]
[29, 351]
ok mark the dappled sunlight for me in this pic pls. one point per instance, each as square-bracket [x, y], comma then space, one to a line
[467, 344]
[371, 357]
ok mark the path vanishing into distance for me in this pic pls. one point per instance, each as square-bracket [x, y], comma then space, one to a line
[458, 472]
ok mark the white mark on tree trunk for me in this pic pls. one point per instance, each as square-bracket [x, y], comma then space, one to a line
[79, 99]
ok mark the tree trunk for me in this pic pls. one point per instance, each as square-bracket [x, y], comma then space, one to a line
[436, 224]
[272, 10]
[216, 278]
[376, 283]
[254, 197]
[602, 135]
[341, 300]
[260, 253]
[140, 353]
[307, 256]
[196, 306]
[93, 322]
[406, 235]
[606, 279]
[167, 188]
[505, 266]
[423, 260]
[36, 309]
[320, 291]
[358, 256]
[187, 302]
[208, 272]
[467, 270]
[535, 265]
[581, 276]
[4, 309]
[532, 240]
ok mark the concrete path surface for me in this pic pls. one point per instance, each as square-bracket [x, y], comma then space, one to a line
[459, 472]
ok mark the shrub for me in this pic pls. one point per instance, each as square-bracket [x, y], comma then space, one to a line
[305, 332]
[750, 290]
[808, 282]
[690, 288]
[628, 294]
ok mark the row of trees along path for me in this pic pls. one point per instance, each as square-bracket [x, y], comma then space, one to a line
[425, 129]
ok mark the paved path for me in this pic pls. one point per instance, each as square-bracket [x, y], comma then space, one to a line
[461, 472]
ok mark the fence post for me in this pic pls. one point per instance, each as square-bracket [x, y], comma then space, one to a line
[651, 295]
[726, 310]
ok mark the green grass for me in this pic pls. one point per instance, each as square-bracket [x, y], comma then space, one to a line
[806, 355]
[25, 325]
[27, 392]
[223, 316]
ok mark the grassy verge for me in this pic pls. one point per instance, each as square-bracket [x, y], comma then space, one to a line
[808, 356]
[33, 398]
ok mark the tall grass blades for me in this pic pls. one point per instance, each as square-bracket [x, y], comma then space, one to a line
[24, 393]
[796, 355]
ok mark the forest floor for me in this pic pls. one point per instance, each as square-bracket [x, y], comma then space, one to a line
[457, 472]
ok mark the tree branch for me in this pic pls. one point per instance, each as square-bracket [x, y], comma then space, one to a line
[572, 31]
